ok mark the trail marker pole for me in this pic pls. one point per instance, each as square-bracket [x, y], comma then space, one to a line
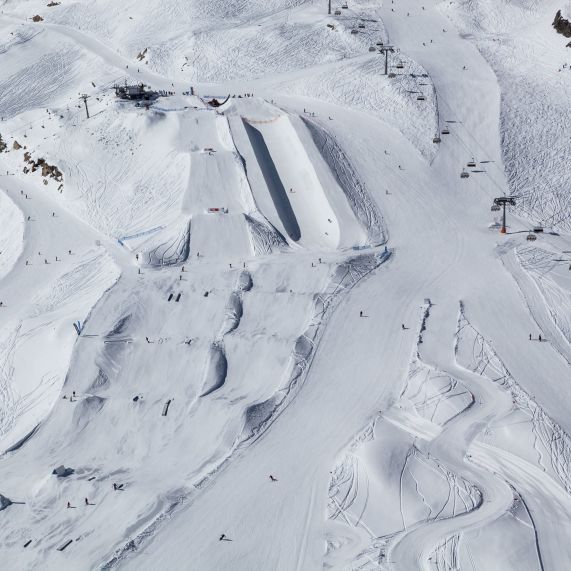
[504, 201]
[84, 97]
[329, 11]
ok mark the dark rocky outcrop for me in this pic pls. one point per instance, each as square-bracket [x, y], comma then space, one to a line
[562, 25]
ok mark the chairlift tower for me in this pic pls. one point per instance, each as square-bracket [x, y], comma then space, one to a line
[84, 97]
[386, 50]
[329, 10]
[504, 201]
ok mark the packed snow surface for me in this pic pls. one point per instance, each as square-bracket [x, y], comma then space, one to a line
[265, 318]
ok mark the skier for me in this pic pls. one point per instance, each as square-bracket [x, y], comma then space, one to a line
[402, 326]
[273, 479]
[68, 505]
[86, 502]
[530, 336]
[539, 337]
[361, 313]
[114, 486]
[147, 339]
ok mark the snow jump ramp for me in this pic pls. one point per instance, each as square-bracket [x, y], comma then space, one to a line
[295, 189]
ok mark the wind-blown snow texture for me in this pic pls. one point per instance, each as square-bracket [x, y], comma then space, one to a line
[281, 331]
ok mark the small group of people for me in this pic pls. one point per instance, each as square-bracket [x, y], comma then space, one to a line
[87, 503]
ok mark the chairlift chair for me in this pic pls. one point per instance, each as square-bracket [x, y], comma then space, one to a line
[471, 163]
[392, 75]
[400, 65]
[464, 174]
[354, 31]
[531, 237]
[420, 97]
[495, 207]
[372, 49]
[436, 139]
[338, 12]
[344, 6]
[445, 131]
[361, 25]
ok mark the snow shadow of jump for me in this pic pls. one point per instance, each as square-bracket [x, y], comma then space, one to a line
[274, 182]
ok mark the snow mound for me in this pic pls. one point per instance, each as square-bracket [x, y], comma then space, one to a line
[11, 234]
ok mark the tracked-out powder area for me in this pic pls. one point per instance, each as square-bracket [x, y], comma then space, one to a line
[285, 285]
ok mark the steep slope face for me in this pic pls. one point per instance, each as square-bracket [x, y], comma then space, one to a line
[534, 71]
[209, 302]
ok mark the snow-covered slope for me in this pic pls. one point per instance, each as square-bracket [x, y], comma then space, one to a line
[282, 331]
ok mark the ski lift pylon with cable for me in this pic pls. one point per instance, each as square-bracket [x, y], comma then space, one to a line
[464, 174]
